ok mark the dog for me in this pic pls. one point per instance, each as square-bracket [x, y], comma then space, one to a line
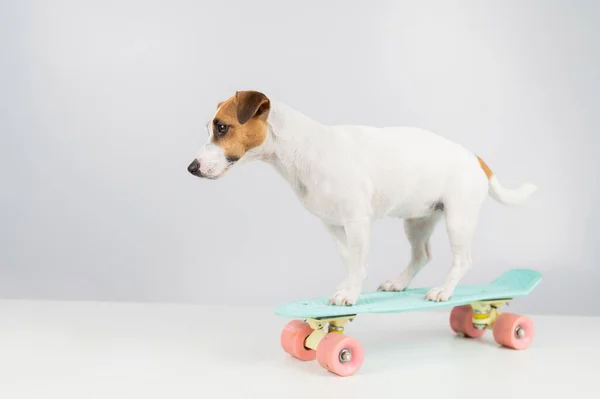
[350, 175]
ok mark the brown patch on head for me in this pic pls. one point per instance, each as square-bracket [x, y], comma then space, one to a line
[486, 169]
[245, 118]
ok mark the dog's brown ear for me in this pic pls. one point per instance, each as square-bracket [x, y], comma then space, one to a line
[251, 104]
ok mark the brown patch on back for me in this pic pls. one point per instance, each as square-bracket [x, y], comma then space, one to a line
[246, 115]
[486, 169]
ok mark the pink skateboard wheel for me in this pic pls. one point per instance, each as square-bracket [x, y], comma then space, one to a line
[292, 340]
[340, 354]
[461, 321]
[514, 331]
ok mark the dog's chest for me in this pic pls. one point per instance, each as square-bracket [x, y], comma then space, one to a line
[318, 199]
[332, 192]
[331, 202]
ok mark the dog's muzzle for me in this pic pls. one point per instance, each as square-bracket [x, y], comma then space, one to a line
[194, 167]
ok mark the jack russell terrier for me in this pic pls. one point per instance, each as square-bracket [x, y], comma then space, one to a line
[350, 175]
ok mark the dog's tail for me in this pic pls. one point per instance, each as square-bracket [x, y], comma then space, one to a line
[505, 195]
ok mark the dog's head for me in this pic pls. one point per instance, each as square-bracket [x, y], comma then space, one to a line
[238, 127]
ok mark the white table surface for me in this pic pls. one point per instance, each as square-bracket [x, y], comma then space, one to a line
[88, 350]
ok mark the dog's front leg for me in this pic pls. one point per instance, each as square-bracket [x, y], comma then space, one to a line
[352, 242]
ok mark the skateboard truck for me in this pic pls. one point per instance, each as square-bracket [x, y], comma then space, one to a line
[334, 325]
[485, 313]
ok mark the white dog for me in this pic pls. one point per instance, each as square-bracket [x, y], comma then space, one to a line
[350, 175]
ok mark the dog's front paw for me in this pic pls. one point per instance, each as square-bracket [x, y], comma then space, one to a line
[345, 297]
[399, 284]
[438, 294]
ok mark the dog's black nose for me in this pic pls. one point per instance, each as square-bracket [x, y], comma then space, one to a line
[194, 167]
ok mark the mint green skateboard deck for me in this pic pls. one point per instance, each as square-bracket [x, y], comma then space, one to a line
[317, 331]
[512, 284]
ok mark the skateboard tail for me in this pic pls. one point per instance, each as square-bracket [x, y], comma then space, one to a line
[521, 280]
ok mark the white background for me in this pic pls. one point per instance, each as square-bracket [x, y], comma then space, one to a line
[100, 350]
[103, 103]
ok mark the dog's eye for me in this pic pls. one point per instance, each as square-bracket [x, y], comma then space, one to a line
[221, 129]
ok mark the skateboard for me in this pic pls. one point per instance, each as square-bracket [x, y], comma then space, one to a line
[317, 331]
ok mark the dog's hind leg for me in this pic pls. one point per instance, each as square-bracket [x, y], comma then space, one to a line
[418, 231]
[461, 212]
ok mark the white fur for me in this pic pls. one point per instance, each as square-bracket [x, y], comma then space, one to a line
[350, 175]
[213, 163]
[510, 197]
